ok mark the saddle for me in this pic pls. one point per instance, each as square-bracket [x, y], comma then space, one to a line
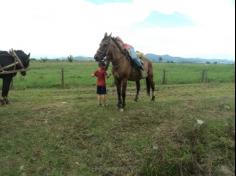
[134, 61]
[124, 49]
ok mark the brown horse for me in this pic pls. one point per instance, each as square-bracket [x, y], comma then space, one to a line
[123, 69]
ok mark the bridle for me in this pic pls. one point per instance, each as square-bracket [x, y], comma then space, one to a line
[104, 53]
[105, 56]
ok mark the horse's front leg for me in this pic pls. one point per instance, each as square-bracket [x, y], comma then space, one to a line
[5, 89]
[118, 90]
[124, 86]
[137, 90]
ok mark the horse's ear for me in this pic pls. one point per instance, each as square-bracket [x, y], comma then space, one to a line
[105, 35]
[28, 55]
[110, 34]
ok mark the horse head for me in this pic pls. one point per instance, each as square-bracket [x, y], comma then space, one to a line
[103, 48]
[25, 59]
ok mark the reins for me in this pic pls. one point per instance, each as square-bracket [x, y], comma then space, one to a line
[4, 72]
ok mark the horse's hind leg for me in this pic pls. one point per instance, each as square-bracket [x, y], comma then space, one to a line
[137, 90]
[124, 86]
[152, 84]
[5, 89]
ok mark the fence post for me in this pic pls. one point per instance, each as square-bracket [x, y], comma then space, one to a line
[203, 75]
[164, 77]
[62, 78]
[206, 76]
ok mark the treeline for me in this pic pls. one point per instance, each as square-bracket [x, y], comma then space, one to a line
[69, 58]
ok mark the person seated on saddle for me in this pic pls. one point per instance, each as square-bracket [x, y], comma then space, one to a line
[137, 62]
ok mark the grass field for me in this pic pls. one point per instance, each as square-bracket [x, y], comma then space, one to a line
[77, 74]
[189, 130]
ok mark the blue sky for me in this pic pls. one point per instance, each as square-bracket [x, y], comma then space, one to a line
[185, 28]
[175, 19]
[155, 18]
[109, 1]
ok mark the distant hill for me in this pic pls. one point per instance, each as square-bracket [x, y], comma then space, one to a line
[77, 58]
[172, 59]
[158, 58]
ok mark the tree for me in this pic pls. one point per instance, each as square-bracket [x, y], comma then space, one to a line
[70, 58]
[160, 59]
[44, 59]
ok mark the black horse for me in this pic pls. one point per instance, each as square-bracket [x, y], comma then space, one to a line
[10, 63]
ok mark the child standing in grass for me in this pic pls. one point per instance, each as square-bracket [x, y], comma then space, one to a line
[101, 75]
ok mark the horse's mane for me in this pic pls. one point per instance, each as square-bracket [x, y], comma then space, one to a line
[122, 50]
[117, 44]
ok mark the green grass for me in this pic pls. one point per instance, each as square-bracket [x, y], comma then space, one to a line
[48, 130]
[63, 131]
[77, 74]
[192, 73]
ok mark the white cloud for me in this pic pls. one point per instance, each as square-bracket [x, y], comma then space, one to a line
[63, 27]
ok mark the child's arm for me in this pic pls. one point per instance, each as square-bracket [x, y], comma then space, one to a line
[94, 74]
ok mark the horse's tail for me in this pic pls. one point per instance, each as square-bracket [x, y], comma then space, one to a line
[148, 86]
[149, 78]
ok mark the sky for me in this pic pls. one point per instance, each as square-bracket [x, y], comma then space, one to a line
[55, 28]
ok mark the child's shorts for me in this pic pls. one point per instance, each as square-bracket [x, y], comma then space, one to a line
[101, 90]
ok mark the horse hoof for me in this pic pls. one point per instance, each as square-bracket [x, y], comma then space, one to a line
[121, 110]
[6, 101]
[2, 102]
[153, 98]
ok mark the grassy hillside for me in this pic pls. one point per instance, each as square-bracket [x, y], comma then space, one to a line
[77, 74]
[188, 131]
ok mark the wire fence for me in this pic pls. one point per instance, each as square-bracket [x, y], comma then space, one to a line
[67, 78]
